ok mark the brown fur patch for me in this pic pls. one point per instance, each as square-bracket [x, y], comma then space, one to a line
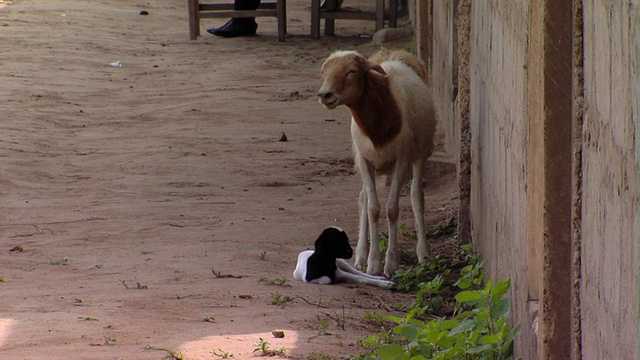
[377, 114]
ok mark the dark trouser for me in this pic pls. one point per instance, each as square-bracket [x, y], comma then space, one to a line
[246, 4]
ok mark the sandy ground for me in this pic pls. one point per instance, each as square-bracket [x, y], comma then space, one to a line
[125, 188]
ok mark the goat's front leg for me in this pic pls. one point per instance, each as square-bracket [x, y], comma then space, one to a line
[362, 248]
[398, 178]
[368, 174]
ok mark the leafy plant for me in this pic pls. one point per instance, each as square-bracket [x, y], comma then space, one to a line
[222, 354]
[279, 282]
[480, 331]
[63, 261]
[277, 299]
[107, 341]
[171, 354]
[263, 349]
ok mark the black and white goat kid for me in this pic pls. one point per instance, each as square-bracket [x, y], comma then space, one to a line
[326, 264]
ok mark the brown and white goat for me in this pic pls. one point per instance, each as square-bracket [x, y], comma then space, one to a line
[392, 126]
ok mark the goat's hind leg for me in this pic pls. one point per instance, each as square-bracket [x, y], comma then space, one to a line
[398, 179]
[417, 203]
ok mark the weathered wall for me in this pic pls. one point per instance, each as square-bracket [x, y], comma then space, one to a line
[609, 292]
[498, 117]
[444, 69]
[545, 112]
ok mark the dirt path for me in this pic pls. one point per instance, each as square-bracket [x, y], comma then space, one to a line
[160, 172]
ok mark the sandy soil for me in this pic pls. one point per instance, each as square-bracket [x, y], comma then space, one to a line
[125, 188]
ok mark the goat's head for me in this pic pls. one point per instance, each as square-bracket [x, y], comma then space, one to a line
[344, 74]
[334, 242]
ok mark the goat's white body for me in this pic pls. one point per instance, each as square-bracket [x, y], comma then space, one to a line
[397, 155]
[407, 153]
[344, 273]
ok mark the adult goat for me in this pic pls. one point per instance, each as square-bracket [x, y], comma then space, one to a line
[392, 126]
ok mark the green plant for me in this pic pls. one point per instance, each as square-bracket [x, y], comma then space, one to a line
[429, 298]
[319, 356]
[63, 261]
[279, 282]
[88, 318]
[107, 341]
[263, 349]
[277, 299]
[222, 354]
[171, 354]
[209, 319]
[373, 318]
[480, 331]
[411, 278]
[323, 324]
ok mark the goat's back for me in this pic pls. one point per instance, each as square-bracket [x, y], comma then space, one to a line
[405, 57]
[413, 97]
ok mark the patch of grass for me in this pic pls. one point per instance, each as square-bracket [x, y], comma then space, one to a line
[107, 341]
[171, 354]
[88, 318]
[263, 349]
[221, 354]
[453, 316]
[320, 356]
[209, 319]
[63, 261]
[279, 282]
[2, 279]
[139, 285]
[277, 299]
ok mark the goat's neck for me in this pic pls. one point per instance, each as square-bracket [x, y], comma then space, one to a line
[377, 113]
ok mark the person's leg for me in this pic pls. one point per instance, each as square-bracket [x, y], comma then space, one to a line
[239, 26]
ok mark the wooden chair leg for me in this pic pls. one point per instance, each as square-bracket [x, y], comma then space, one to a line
[379, 14]
[194, 18]
[315, 19]
[393, 13]
[281, 8]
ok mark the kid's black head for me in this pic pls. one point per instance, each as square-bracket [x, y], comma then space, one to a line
[334, 242]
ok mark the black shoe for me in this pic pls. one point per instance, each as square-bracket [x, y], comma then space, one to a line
[236, 27]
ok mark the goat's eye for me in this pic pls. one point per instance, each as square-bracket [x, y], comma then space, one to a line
[352, 72]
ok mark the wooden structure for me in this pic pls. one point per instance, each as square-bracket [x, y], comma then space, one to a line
[198, 10]
[334, 12]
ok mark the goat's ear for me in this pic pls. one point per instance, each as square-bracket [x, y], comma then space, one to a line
[370, 65]
[321, 241]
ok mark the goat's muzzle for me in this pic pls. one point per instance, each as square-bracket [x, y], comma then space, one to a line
[329, 99]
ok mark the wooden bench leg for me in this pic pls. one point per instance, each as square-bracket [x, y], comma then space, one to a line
[282, 19]
[315, 19]
[193, 6]
[393, 13]
[379, 14]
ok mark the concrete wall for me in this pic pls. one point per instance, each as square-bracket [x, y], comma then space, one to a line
[609, 292]
[544, 125]
[444, 69]
[498, 120]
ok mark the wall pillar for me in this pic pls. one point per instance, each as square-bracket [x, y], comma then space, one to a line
[550, 269]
